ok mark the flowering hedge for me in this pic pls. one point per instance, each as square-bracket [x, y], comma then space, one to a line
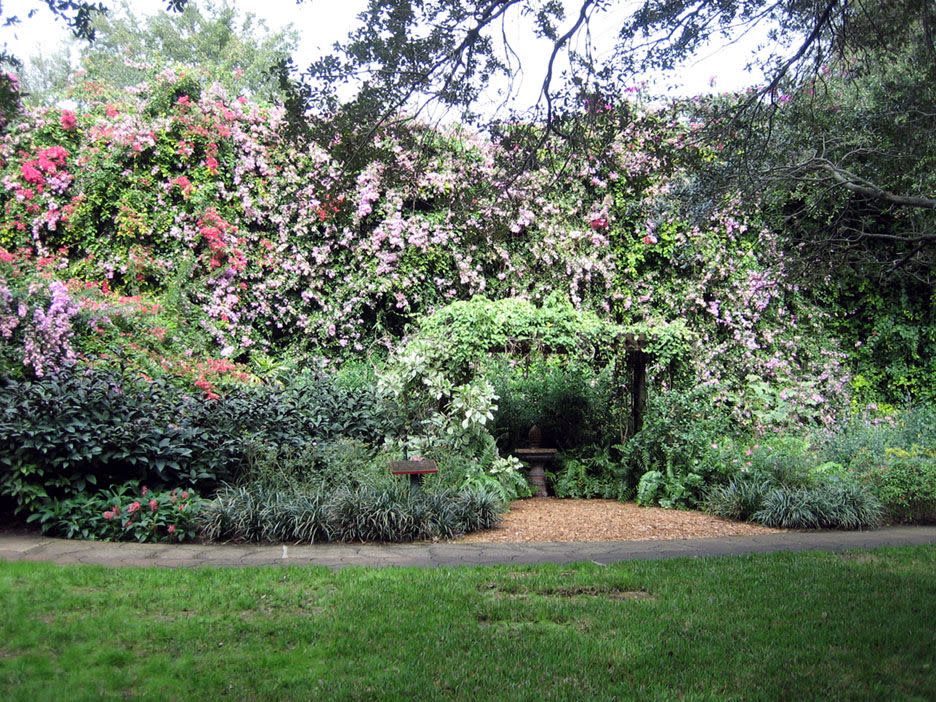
[179, 231]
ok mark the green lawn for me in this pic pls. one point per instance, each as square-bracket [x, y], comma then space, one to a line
[787, 626]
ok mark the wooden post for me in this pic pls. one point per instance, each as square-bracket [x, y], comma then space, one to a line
[637, 370]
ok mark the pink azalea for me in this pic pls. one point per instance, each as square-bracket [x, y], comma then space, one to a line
[68, 120]
[31, 174]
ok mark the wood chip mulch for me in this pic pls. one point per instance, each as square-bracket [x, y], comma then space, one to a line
[551, 519]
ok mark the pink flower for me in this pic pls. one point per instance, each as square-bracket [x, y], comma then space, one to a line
[212, 163]
[68, 120]
[133, 507]
[144, 491]
[650, 239]
[153, 504]
[108, 515]
[31, 174]
[171, 529]
[111, 111]
[184, 495]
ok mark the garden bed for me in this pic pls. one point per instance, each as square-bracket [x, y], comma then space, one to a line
[550, 519]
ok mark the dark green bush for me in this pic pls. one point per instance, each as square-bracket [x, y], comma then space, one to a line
[61, 435]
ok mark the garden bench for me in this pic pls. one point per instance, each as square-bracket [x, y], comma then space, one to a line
[415, 469]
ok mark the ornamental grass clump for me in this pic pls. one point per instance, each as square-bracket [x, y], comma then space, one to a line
[310, 513]
[832, 503]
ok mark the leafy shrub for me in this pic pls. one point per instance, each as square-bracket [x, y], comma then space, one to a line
[670, 491]
[61, 434]
[906, 484]
[894, 454]
[309, 513]
[675, 443]
[589, 477]
[125, 513]
[503, 477]
[862, 440]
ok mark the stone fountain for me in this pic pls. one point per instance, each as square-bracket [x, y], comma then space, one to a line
[538, 458]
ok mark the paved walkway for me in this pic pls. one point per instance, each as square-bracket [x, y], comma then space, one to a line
[37, 548]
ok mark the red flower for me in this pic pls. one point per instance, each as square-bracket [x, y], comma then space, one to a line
[135, 506]
[650, 239]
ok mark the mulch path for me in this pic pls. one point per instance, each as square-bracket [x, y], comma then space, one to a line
[551, 519]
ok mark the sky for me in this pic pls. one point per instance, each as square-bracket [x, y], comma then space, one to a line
[320, 23]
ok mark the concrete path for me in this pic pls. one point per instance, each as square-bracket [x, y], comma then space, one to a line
[37, 548]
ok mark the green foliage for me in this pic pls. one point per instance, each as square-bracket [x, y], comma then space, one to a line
[593, 476]
[468, 331]
[123, 513]
[828, 505]
[905, 482]
[673, 447]
[784, 483]
[391, 511]
[65, 433]
[572, 404]
[211, 39]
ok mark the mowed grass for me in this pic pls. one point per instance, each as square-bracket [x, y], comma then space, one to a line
[860, 625]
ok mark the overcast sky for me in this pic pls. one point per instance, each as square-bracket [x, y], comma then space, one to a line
[322, 22]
